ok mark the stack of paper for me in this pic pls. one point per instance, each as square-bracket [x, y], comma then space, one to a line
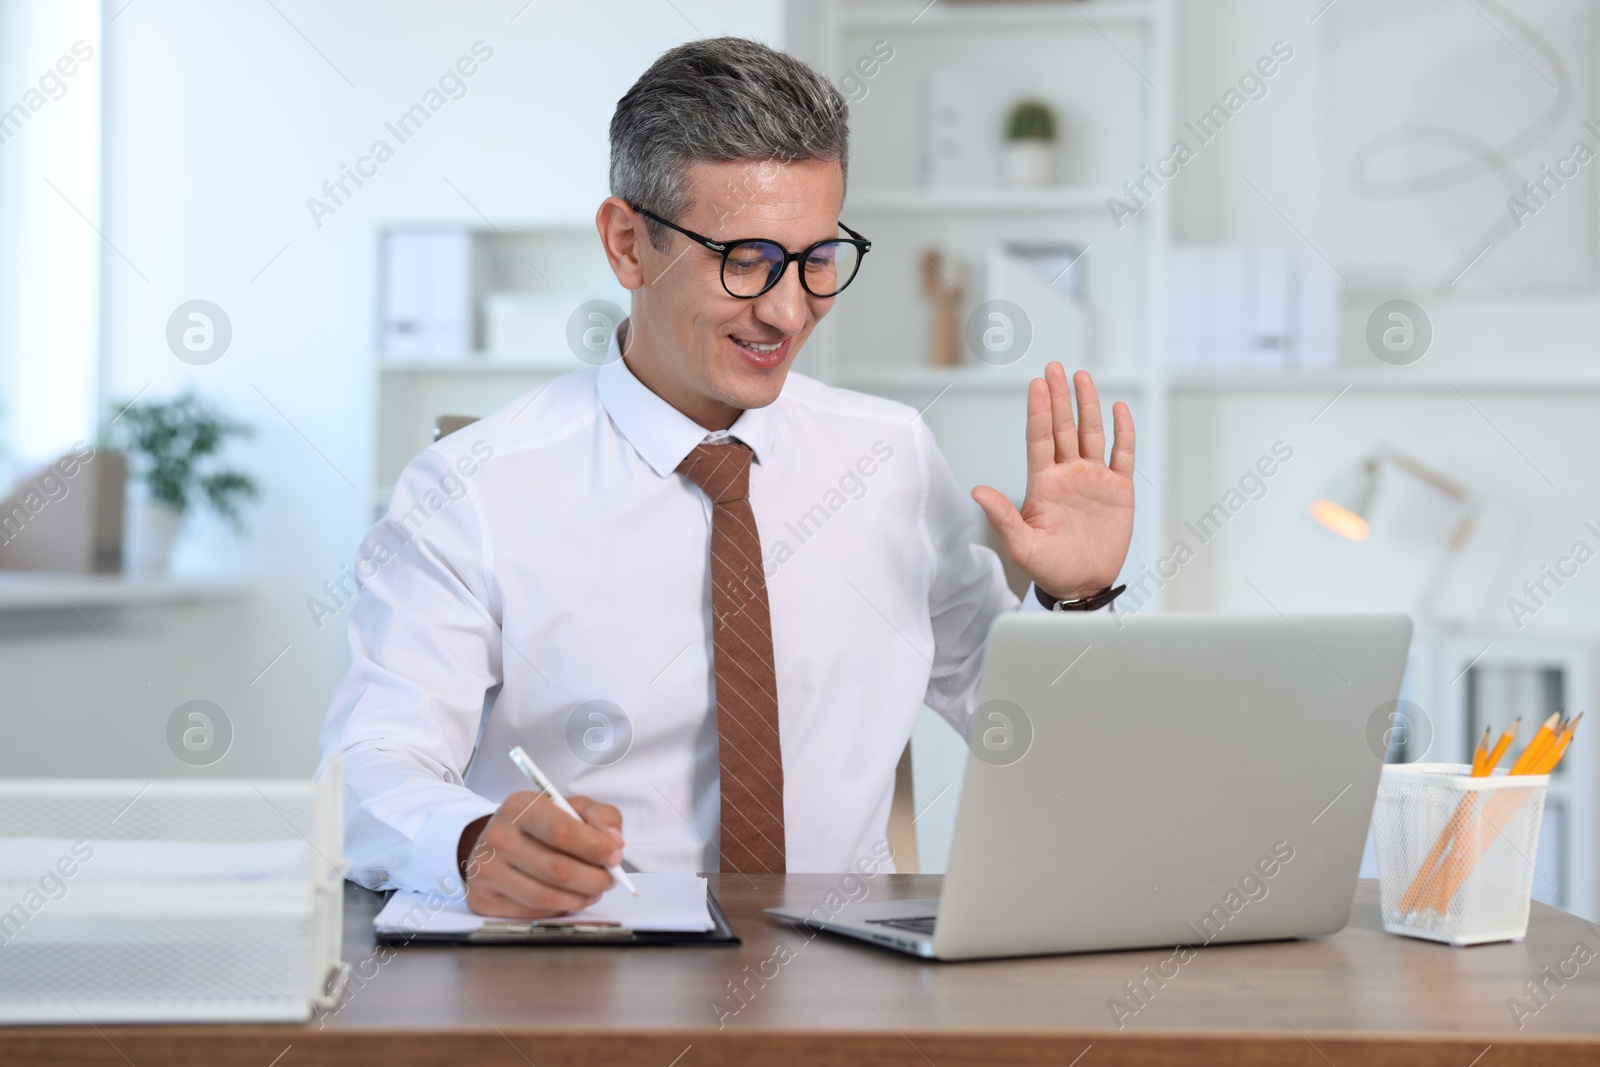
[668, 901]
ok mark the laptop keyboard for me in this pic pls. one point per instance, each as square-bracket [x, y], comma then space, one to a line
[919, 924]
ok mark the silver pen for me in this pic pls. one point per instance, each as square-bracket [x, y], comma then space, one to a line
[526, 765]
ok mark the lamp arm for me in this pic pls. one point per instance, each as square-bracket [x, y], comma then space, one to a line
[1426, 607]
[1422, 472]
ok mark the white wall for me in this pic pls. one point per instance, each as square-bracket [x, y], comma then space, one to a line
[221, 120]
[49, 254]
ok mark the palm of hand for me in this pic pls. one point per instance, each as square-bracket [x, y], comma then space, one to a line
[1072, 533]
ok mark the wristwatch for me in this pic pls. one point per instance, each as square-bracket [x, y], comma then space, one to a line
[1088, 603]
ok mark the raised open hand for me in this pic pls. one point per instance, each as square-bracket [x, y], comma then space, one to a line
[1072, 534]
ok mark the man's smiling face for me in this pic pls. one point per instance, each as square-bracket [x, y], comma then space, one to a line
[710, 354]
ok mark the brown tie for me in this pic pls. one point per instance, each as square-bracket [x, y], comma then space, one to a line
[747, 692]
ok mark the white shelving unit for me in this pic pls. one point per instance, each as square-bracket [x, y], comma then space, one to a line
[1385, 381]
[967, 201]
[1107, 65]
[1099, 65]
[517, 256]
[895, 15]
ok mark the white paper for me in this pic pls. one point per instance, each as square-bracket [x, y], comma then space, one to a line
[27, 859]
[668, 901]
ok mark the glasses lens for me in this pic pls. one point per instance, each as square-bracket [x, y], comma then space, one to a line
[831, 266]
[750, 266]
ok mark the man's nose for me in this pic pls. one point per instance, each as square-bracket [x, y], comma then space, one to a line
[783, 307]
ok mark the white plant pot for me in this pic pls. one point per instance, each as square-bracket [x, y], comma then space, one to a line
[152, 530]
[1030, 164]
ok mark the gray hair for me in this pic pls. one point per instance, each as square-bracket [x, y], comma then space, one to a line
[723, 99]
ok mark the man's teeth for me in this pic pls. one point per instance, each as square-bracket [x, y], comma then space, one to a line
[755, 347]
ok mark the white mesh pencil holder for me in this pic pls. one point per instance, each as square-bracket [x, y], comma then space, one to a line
[1455, 853]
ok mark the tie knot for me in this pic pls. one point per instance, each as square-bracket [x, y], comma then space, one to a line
[722, 470]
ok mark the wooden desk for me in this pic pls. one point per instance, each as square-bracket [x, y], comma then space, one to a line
[1360, 997]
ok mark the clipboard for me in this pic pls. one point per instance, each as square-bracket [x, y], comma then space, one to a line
[556, 932]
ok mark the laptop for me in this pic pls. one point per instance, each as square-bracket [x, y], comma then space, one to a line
[1155, 781]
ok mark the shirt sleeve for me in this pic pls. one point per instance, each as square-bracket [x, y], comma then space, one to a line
[1030, 600]
[966, 592]
[425, 656]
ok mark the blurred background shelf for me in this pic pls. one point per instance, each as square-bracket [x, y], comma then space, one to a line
[474, 363]
[1001, 379]
[932, 201]
[34, 591]
[1383, 380]
[1011, 16]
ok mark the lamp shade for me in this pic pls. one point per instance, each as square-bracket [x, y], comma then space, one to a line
[1344, 504]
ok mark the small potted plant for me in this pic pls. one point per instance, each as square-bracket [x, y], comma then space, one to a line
[1030, 145]
[173, 448]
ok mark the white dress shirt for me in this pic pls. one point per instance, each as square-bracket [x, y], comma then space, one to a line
[549, 556]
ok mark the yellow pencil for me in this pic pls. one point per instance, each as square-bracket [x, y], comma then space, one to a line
[1542, 738]
[1501, 745]
[1555, 752]
[1499, 811]
[1483, 763]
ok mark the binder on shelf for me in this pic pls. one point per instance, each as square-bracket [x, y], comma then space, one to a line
[1241, 309]
[428, 294]
[963, 125]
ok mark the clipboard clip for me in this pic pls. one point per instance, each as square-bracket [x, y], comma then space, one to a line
[551, 931]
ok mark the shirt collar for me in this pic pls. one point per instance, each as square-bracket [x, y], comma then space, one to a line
[659, 432]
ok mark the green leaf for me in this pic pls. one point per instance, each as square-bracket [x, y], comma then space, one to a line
[174, 446]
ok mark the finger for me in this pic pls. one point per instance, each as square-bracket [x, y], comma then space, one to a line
[596, 814]
[1066, 434]
[549, 825]
[1005, 518]
[1091, 432]
[517, 806]
[510, 894]
[516, 850]
[1122, 443]
[564, 872]
[532, 891]
[1041, 443]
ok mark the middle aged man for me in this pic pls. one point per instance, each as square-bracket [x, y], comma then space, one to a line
[753, 581]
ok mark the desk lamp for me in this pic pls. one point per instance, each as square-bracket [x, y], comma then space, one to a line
[1345, 509]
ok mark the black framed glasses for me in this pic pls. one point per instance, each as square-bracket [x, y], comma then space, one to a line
[753, 265]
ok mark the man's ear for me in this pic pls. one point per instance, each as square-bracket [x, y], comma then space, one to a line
[622, 234]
